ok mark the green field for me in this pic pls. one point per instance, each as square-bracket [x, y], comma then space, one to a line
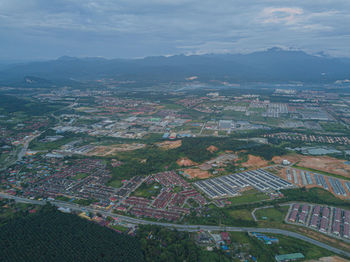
[334, 127]
[80, 176]
[263, 252]
[314, 195]
[272, 214]
[115, 183]
[147, 191]
[120, 228]
[241, 214]
[247, 197]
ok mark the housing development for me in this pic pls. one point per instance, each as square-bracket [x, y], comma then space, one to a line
[215, 161]
[325, 219]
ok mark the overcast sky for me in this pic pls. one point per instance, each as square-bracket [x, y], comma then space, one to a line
[43, 29]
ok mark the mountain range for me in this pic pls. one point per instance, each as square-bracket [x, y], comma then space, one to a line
[272, 65]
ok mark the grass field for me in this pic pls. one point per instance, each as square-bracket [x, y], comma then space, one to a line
[242, 214]
[120, 228]
[80, 176]
[272, 214]
[147, 191]
[290, 245]
[36, 145]
[247, 197]
[115, 183]
[286, 245]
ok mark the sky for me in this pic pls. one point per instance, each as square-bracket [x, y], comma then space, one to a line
[47, 29]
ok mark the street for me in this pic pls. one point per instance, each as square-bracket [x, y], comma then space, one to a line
[190, 228]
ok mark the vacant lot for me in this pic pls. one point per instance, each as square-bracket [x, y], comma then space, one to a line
[330, 259]
[197, 173]
[147, 190]
[242, 214]
[185, 162]
[170, 144]
[249, 196]
[323, 163]
[272, 214]
[112, 149]
[254, 162]
[212, 149]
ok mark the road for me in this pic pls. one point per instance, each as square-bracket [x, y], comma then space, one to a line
[189, 228]
[22, 152]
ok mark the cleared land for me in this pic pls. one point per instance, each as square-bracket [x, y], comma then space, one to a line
[197, 173]
[185, 162]
[322, 163]
[112, 149]
[255, 162]
[330, 259]
[170, 144]
[212, 149]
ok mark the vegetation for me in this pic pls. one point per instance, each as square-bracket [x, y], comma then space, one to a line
[161, 244]
[266, 253]
[314, 195]
[272, 214]
[250, 196]
[242, 214]
[147, 191]
[36, 144]
[50, 235]
[12, 104]
[152, 159]
[80, 176]
[334, 127]
[229, 216]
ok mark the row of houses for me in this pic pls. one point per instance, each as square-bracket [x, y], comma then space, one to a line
[325, 219]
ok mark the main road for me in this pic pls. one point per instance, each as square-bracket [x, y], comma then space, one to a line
[189, 228]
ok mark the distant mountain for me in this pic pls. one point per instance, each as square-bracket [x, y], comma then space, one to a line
[273, 65]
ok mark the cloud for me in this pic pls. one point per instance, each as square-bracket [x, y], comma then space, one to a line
[124, 28]
[288, 15]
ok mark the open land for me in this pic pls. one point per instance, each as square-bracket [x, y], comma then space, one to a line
[196, 173]
[113, 149]
[254, 162]
[322, 163]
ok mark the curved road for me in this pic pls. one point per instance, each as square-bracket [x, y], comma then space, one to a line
[190, 228]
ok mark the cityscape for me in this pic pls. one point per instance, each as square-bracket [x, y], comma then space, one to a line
[174, 131]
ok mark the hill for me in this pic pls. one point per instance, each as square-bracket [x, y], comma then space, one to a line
[273, 65]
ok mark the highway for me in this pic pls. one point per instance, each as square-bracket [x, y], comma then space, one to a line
[189, 228]
[22, 152]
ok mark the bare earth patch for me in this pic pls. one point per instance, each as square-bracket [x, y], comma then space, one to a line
[330, 259]
[197, 173]
[212, 149]
[322, 163]
[112, 149]
[255, 162]
[170, 144]
[185, 162]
